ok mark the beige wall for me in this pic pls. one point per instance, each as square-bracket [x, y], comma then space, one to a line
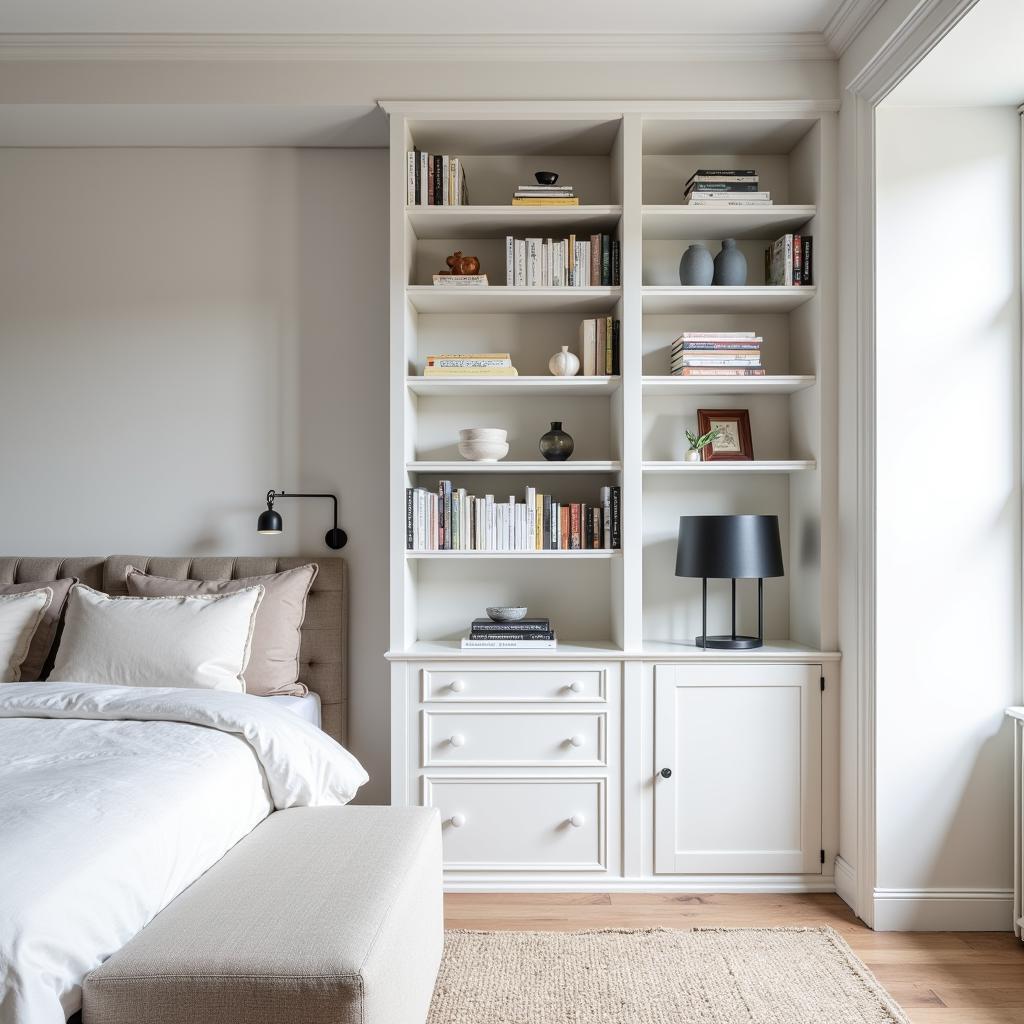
[180, 331]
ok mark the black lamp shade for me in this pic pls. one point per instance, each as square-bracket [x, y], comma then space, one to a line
[729, 547]
[269, 522]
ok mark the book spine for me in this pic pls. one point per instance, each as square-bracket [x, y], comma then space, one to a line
[798, 261]
[538, 523]
[528, 645]
[563, 527]
[510, 260]
[719, 371]
[445, 171]
[722, 186]
[616, 264]
[807, 270]
[408, 519]
[616, 349]
[586, 527]
[520, 262]
[608, 360]
[595, 259]
[574, 526]
[410, 178]
[606, 261]
[545, 539]
[616, 514]
[715, 172]
[438, 181]
[422, 179]
[512, 635]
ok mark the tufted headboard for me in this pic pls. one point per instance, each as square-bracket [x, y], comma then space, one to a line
[324, 651]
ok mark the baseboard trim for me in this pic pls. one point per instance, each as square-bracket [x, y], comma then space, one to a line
[696, 884]
[940, 910]
[846, 883]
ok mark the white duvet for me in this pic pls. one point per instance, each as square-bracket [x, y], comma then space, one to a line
[114, 799]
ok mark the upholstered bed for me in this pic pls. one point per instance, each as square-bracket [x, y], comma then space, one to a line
[115, 798]
[324, 652]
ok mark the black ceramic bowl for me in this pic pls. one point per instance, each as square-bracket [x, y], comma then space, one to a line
[546, 177]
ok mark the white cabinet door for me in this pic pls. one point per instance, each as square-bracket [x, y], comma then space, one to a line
[743, 745]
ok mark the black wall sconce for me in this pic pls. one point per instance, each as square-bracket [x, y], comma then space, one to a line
[270, 522]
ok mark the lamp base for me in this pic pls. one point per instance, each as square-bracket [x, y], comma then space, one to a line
[729, 643]
[336, 538]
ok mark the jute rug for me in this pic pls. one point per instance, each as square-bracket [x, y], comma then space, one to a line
[706, 976]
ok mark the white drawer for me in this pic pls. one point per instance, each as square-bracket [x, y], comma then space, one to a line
[514, 738]
[565, 684]
[523, 823]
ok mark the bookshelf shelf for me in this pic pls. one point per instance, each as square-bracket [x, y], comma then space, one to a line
[665, 386]
[543, 556]
[670, 222]
[748, 299]
[493, 221]
[527, 468]
[567, 650]
[725, 468]
[512, 386]
[501, 299]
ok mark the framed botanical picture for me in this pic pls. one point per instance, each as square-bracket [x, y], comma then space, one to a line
[733, 442]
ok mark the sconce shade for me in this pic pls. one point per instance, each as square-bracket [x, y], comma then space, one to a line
[269, 522]
[729, 547]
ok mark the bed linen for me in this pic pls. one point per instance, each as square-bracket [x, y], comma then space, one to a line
[307, 707]
[114, 799]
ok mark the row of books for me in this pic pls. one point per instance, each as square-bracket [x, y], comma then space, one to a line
[566, 263]
[470, 364]
[790, 261]
[524, 634]
[545, 195]
[450, 519]
[435, 180]
[717, 354]
[725, 187]
[600, 347]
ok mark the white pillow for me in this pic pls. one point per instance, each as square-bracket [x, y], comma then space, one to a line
[199, 642]
[20, 616]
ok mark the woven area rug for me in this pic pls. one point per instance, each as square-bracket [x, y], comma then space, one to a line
[705, 976]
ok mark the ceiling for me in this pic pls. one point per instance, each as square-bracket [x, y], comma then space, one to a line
[977, 64]
[413, 16]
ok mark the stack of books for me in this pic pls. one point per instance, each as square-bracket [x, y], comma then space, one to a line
[435, 180]
[470, 364]
[449, 519]
[545, 195]
[790, 261]
[599, 347]
[725, 187]
[566, 263]
[525, 634]
[717, 354]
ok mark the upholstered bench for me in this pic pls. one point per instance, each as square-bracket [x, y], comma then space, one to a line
[329, 914]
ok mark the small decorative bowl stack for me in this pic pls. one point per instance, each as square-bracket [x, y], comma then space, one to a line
[483, 444]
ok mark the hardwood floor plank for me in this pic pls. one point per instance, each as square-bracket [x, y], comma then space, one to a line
[938, 977]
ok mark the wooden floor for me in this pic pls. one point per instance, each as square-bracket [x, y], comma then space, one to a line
[938, 977]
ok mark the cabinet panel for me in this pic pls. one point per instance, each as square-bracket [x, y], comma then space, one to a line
[743, 744]
[514, 738]
[516, 823]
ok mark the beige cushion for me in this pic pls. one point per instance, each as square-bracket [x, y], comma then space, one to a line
[46, 633]
[324, 915]
[201, 642]
[20, 617]
[274, 664]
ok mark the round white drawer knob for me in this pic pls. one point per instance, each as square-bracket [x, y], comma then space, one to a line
[576, 687]
[458, 820]
[577, 821]
[576, 741]
[458, 740]
[456, 686]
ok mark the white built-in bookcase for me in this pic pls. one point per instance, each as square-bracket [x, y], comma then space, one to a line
[629, 163]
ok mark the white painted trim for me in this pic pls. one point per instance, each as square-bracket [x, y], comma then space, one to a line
[846, 882]
[547, 110]
[689, 884]
[939, 910]
[847, 21]
[477, 47]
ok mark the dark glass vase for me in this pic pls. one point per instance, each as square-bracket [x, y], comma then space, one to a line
[556, 445]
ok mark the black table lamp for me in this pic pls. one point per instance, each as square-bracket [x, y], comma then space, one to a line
[729, 548]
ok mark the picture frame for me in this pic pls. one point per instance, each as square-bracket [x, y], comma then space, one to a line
[736, 444]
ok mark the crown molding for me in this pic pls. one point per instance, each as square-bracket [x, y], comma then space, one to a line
[847, 21]
[810, 46]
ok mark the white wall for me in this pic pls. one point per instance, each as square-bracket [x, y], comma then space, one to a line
[948, 512]
[182, 330]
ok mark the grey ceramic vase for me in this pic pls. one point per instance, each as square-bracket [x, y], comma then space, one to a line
[696, 268]
[730, 265]
[556, 445]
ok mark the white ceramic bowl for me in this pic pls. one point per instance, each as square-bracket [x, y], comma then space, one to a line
[506, 614]
[483, 434]
[483, 451]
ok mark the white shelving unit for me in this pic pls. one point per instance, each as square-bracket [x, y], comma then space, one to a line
[626, 666]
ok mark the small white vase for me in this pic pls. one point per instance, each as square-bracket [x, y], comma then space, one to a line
[564, 363]
[692, 456]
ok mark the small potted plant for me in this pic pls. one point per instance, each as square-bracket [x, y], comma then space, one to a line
[698, 442]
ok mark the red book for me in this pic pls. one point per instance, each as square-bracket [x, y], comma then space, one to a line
[563, 531]
[574, 526]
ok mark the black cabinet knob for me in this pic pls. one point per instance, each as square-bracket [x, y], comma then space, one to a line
[666, 773]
